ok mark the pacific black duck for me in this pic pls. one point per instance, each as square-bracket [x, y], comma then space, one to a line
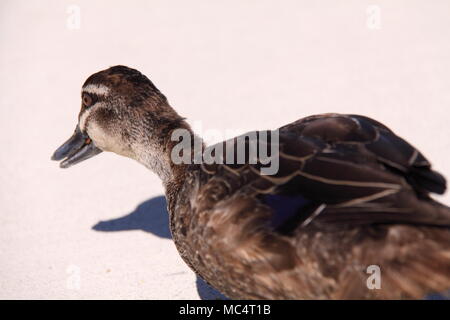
[349, 195]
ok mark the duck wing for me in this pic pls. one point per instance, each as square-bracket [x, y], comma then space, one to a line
[341, 169]
[376, 140]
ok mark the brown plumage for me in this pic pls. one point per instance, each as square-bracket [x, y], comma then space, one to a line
[349, 194]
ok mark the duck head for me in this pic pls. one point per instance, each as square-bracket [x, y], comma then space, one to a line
[121, 112]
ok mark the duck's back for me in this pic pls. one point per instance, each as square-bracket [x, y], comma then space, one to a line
[349, 195]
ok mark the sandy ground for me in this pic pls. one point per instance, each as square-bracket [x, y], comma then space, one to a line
[99, 229]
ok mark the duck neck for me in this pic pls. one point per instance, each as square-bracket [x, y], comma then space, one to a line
[154, 151]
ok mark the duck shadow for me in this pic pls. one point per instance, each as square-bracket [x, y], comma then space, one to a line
[152, 216]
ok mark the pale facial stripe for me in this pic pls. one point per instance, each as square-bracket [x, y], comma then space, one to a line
[98, 89]
[85, 115]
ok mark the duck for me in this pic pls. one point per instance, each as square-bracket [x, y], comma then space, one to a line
[347, 214]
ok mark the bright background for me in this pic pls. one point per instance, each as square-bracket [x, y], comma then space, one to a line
[237, 64]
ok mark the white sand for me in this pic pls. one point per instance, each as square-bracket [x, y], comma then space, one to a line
[231, 64]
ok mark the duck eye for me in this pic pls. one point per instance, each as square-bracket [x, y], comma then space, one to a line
[87, 100]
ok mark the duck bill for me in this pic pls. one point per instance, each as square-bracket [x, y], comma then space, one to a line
[78, 148]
